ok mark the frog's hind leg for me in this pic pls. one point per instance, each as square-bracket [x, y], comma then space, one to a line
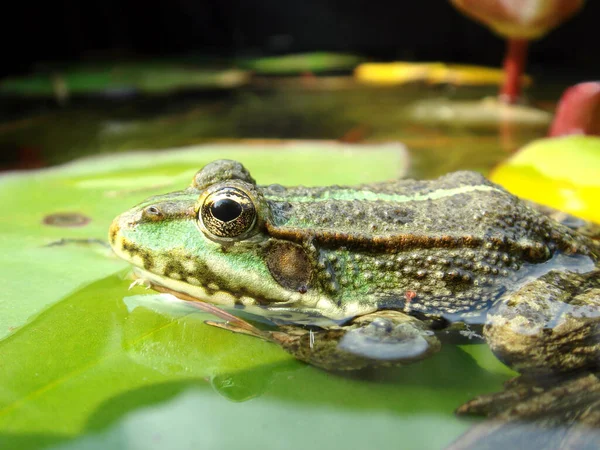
[550, 325]
[384, 338]
[549, 331]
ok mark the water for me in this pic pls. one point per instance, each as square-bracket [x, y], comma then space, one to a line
[276, 109]
[88, 364]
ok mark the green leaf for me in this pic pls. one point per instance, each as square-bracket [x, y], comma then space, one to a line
[87, 363]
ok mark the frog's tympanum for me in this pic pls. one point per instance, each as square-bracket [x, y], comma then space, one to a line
[378, 274]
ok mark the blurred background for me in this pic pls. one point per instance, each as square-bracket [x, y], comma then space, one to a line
[92, 77]
[72, 31]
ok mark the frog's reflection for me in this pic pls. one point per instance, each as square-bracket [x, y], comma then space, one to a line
[251, 367]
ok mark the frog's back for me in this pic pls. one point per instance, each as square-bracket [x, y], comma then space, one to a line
[459, 205]
[447, 246]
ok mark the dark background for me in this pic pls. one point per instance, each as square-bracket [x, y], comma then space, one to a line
[75, 30]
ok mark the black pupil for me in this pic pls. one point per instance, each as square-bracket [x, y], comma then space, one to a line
[226, 209]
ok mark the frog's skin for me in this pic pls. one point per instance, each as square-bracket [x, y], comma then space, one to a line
[371, 275]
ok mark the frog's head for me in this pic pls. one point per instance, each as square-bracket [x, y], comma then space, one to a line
[210, 241]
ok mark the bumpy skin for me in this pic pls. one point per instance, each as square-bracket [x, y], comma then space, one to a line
[363, 276]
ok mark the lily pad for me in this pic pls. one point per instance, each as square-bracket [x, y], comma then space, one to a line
[292, 64]
[559, 172]
[87, 363]
[123, 79]
[488, 112]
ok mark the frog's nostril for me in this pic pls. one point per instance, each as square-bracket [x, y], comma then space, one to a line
[152, 212]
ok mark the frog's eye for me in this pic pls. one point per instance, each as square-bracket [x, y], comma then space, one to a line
[227, 213]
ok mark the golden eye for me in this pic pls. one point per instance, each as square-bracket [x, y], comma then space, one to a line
[227, 213]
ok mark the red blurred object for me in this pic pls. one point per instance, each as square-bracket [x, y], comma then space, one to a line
[578, 111]
[514, 67]
[19, 158]
[355, 134]
[519, 21]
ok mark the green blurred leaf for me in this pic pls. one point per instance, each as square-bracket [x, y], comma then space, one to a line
[130, 77]
[301, 62]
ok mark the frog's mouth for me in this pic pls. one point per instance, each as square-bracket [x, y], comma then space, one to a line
[282, 312]
[210, 294]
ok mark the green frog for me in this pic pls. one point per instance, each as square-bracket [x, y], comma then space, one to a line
[377, 274]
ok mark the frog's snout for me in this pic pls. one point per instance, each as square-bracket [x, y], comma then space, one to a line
[113, 232]
[120, 225]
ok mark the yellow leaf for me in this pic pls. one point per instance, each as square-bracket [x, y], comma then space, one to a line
[563, 173]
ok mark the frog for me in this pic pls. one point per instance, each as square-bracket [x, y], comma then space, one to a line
[378, 275]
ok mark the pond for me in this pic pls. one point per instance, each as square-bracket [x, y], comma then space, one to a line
[88, 362]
